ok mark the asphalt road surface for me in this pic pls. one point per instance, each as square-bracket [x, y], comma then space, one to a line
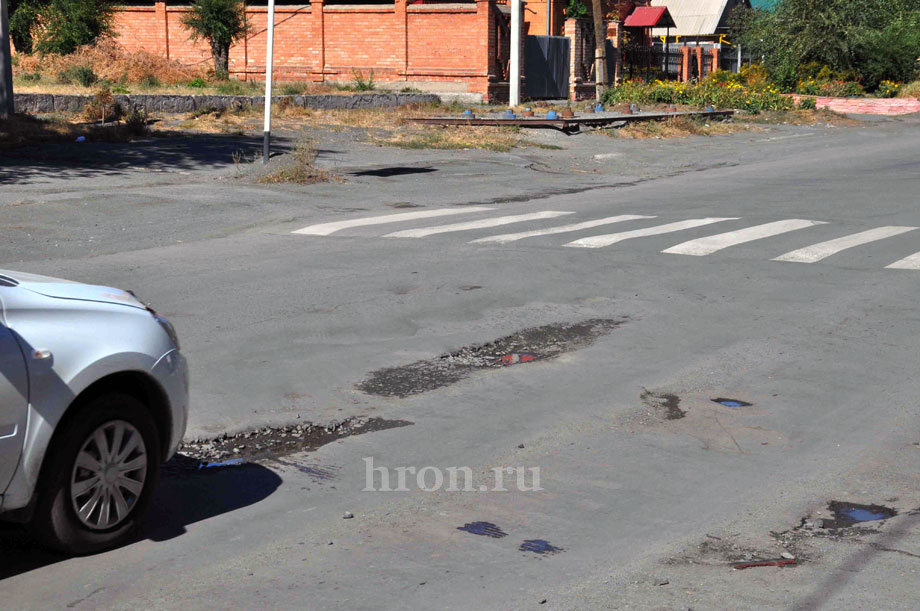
[778, 270]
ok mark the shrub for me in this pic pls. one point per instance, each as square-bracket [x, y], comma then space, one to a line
[234, 87]
[196, 83]
[708, 92]
[887, 89]
[910, 90]
[82, 75]
[136, 121]
[23, 17]
[102, 107]
[111, 62]
[807, 104]
[68, 24]
[841, 89]
[362, 84]
[31, 77]
[150, 80]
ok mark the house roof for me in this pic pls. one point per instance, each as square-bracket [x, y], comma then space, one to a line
[695, 17]
[649, 17]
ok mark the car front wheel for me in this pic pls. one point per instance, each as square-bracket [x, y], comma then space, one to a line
[99, 476]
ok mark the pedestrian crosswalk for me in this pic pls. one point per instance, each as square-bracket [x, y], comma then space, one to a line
[697, 247]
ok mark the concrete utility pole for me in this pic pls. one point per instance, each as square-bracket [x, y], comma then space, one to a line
[6, 63]
[600, 50]
[514, 76]
[269, 58]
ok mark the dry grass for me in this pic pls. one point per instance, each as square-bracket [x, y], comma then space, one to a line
[910, 90]
[497, 139]
[25, 130]
[678, 127]
[301, 169]
[110, 62]
[799, 116]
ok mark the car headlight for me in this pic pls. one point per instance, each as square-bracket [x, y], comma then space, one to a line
[170, 330]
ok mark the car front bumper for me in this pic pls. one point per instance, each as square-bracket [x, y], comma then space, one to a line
[171, 371]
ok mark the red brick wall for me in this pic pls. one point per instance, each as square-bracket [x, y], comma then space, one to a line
[415, 43]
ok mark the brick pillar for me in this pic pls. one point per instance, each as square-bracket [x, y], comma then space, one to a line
[715, 60]
[486, 53]
[319, 41]
[159, 9]
[699, 62]
[684, 70]
[402, 35]
[576, 42]
[615, 34]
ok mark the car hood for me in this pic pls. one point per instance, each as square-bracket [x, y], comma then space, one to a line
[65, 289]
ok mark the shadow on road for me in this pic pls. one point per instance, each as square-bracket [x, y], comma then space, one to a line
[180, 500]
[165, 152]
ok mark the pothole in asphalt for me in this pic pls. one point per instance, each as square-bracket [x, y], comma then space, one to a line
[540, 546]
[666, 405]
[850, 514]
[269, 443]
[484, 529]
[534, 344]
[732, 402]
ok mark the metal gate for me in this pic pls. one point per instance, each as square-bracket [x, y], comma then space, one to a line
[546, 67]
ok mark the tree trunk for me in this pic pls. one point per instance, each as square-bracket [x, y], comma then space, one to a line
[221, 54]
[600, 49]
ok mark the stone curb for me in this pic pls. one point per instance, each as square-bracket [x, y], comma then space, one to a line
[46, 102]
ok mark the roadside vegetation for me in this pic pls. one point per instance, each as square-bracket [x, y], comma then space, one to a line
[833, 47]
[300, 168]
[24, 130]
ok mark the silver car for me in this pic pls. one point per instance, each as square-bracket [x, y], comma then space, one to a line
[93, 397]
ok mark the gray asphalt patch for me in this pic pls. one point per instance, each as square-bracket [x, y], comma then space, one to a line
[267, 443]
[534, 344]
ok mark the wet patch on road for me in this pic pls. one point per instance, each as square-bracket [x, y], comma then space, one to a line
[540, 546]
[529, 345]
[484, 529]
[850, 514]
[269, 443]
[665, 405]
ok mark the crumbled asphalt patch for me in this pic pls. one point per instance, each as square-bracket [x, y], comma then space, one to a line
[533, 344]
[666, 405]
[268, 443]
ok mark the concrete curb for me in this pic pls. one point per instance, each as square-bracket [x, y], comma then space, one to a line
[46, 102]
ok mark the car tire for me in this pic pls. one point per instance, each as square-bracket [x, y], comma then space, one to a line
[56, 522]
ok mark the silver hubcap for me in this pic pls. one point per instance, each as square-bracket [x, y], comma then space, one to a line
[108, 476]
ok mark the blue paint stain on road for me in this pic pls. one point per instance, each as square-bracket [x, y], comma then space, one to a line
[862, 515]
[485, 529]
[731, 402]
[233, 462]
[539, 546]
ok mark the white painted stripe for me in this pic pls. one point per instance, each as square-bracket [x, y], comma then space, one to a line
[714, 243]
[493, 222]
[822, 250]
[328, 228]
[911, 262]
[511, 237]
[599, 241]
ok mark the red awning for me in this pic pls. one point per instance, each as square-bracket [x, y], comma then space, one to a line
[649, 17]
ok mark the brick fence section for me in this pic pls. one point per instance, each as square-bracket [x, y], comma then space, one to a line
[46, 102]
[866, 106]
[449, 47]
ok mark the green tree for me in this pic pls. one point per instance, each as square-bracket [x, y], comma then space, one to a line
[64, 25]
[221, 23]
[871, 39]
[23, 19]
